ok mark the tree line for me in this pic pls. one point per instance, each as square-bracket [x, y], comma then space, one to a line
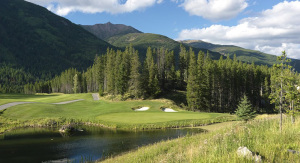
[12, 80]
[211, 85]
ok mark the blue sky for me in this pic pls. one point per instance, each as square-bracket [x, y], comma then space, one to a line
[265, 25]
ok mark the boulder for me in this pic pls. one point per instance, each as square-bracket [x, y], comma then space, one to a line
[246, 153]
[293, 151]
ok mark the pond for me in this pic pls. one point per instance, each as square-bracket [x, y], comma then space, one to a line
[93, 143]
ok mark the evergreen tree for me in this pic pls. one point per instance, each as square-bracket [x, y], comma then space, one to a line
[292, 94]
[118, 73]
[182, 65]
[75, 79]
[278, 82]
[153, 88]
[109, 70]
[193, 97]
[134, 82]
[202, 81]
[244, 110]
[208, 73]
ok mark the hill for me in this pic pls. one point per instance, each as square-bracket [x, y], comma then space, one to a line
[242, 54]
[105, 31]
[38, 41]
[141, 41]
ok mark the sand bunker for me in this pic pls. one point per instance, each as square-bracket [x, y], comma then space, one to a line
[142, 109]
[168, 110]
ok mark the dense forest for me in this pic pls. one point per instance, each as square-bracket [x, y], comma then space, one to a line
[211, 85]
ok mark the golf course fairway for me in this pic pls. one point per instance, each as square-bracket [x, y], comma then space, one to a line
[113, 114]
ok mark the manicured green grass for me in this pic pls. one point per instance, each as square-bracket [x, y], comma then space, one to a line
[261, 136]
[154, 117]
[45, 98]
[105, 113]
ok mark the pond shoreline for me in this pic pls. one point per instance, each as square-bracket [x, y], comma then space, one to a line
[109, 127]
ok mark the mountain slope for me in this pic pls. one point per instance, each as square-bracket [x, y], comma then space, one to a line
[39, 41]
[105, 31]
[242, 54]
[141, 41]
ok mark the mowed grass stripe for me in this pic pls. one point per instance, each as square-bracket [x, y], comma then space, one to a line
[45, 98]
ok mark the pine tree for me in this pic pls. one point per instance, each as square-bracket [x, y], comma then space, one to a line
[135, 78]
[153, 80]
[202, 81]
[151, 72]
[75, 79]
[244, 110]
[182, 65]
[118, 72]
[278, 82]
[292, 94]
[193, 97]
[208, 73]
[110, 67]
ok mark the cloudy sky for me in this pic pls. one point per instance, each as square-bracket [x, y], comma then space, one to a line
[265, 25]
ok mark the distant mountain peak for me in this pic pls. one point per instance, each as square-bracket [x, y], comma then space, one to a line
[107, 30]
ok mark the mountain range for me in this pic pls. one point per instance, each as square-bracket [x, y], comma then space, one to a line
[38, 41]
[141, 41]
[120, 35]
[242, 54]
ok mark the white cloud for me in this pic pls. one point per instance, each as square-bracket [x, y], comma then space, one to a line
[215, 9]
[64, 7]
[272, 31]
[159, 1]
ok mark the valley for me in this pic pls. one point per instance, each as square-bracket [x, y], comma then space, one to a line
[71, 92]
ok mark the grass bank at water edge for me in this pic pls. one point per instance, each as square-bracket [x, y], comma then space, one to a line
[260, 136]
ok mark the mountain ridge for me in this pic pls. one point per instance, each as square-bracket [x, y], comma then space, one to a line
[141, 41]
[242, 54]
[107, 30]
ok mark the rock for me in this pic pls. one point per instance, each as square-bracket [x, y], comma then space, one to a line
[66, 128]
[246, 153]
[293, 151]
[257, 158]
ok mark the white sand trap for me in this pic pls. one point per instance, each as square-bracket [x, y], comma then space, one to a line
[142, 109]
[168, 110]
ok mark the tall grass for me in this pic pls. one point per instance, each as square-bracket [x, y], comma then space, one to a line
[260, 136]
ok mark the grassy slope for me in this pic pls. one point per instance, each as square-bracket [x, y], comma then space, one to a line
[141, 41]
[111, 114]
[45, 98]
[260, 136]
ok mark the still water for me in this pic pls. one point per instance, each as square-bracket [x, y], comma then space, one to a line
[47, 145]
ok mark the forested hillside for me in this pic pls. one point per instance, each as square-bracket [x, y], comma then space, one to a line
[141, 41]
[40, 42]
[242, 54]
